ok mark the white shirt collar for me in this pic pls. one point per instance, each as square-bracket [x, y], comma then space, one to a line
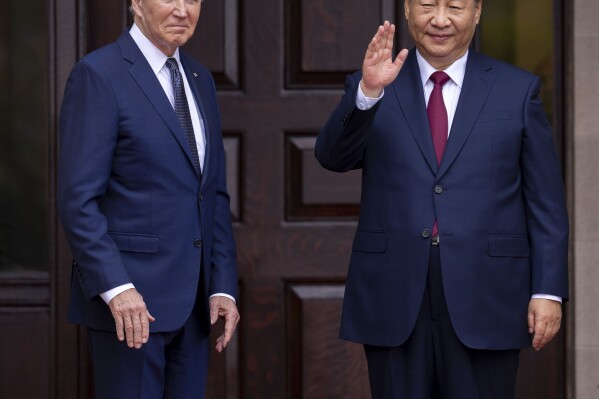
[456, 71]
[155, 57]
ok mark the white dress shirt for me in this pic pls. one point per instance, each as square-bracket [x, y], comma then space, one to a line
[157, 60]
[451, 94]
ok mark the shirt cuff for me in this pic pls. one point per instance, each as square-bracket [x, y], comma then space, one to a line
[108, 295]
[545, 296]
[225, 295]
[364, 103]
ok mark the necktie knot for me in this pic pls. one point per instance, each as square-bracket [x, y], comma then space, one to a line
[172, 64]
[438, 78]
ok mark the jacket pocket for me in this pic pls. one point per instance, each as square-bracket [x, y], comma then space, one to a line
[370, 241]
[135, 242]
[504, 245]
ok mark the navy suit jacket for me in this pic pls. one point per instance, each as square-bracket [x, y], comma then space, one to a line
[130, 201]
[497, 195]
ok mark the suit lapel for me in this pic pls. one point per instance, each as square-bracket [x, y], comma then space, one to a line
[475, 90]
[141, 71]
[409, 93]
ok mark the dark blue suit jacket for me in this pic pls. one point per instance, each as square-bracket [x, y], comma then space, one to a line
[498, 197]
[131, 204]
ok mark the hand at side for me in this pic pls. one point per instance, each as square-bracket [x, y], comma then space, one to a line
[544, 319]
[131, 318]
[226, 309]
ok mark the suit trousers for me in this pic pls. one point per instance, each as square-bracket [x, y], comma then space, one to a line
[433, 362]
[170, 365]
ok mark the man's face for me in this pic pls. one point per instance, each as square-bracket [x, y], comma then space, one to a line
[442, 29]
[167, 23]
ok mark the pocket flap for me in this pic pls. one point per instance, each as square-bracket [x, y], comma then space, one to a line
[135, 242]
[370, 241]
[505, 245]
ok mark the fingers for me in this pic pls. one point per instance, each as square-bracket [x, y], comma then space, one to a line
[539, 339]
[544, 319]
[214, 310]
[543, 334]
[137, 330]
[382, 41]
[129, 330]
[401, 58]
[151, 318]
[231, 321]
[230, 324]
[145, 328]
[225, 308]
[372, 52]
[120, 328]
[379, 69]
[388, 34]
[132, 319]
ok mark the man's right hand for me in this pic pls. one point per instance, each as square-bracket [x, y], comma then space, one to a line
[379, 69]
[131, 317]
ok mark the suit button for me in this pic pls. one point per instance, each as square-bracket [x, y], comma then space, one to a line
[438, 189]
[197, 243]
[426, 233]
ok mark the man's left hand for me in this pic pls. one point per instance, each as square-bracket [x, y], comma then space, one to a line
[221, 306]
[544, 318]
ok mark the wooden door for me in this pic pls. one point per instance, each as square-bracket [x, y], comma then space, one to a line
[279, 67]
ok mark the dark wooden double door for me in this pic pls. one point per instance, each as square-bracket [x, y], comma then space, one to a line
[279, 67]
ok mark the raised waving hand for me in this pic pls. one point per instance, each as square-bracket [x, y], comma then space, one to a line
[379, 69]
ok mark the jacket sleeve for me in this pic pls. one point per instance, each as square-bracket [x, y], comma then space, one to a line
[340, 144]
[544, 199]
[88, 128]
[223, 276]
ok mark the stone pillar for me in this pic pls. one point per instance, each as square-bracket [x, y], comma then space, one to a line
[583, 190]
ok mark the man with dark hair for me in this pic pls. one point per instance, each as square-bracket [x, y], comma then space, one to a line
[143, 201]
[460, 256]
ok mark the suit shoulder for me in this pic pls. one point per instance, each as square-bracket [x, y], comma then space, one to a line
[103, 57]
[107, 63]
[505, 69]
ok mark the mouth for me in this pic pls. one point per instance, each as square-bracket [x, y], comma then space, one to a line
[178, 27]
[439, 37]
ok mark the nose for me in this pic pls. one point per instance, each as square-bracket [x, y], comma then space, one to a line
[180, 8]
[440, 18]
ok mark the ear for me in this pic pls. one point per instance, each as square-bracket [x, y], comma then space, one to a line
[478, 5]
[136, 6]
[406, 8]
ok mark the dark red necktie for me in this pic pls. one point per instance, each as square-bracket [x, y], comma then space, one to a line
[437, 118]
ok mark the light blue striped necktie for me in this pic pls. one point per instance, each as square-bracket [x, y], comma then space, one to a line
[182, 110]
